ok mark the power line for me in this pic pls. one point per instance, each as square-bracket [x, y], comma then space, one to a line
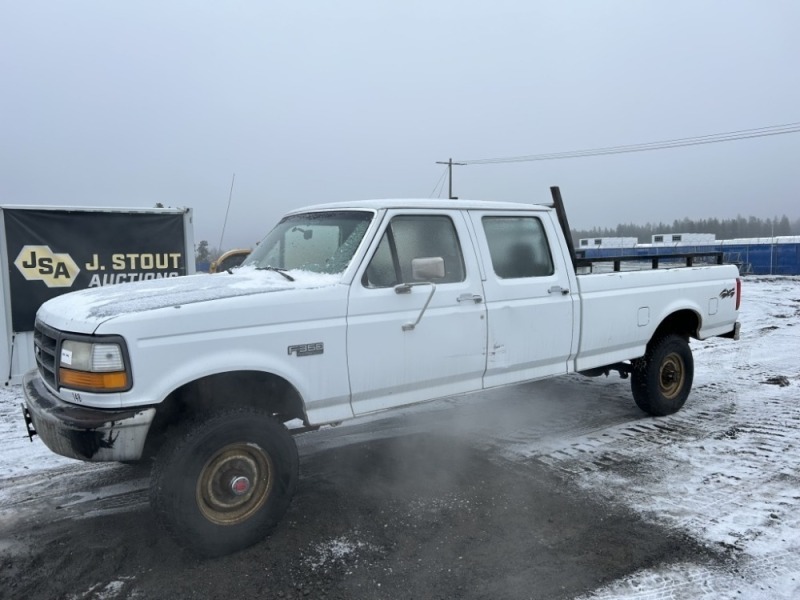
[441, 186]
[714, 138]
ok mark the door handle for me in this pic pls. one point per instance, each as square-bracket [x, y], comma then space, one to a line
[476, 298]
[558, 289]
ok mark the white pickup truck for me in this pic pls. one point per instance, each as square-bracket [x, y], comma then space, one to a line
[345, 310]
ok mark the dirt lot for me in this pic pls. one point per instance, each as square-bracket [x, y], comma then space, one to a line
[414, 516]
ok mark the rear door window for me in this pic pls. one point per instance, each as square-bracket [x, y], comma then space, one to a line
[518, 247]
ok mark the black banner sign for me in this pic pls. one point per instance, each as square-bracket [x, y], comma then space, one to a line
[52, 252]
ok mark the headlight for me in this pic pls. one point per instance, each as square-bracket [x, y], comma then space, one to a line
[91, 357]
[95, 367]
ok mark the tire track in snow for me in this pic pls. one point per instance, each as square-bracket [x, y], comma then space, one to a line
[726, 469]
[693, 582]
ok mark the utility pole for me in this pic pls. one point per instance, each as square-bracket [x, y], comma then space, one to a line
[450, 164]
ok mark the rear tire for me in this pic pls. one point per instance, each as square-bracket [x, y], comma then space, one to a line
[221, 484]
[662, 378]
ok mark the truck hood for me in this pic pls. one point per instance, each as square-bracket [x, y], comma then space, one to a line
[82, 311]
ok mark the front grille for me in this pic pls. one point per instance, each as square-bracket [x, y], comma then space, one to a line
[45, 341]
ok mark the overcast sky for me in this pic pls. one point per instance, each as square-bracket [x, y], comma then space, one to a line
[129, 103]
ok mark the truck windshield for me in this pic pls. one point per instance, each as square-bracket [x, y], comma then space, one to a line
[320, 242]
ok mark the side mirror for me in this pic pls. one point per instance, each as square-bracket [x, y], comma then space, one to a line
[425, 269]
[307, 233]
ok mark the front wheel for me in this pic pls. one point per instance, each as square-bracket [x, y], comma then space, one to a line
[662, 378]
[219, 485]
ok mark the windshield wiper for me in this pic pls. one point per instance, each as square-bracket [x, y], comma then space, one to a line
[277, 270]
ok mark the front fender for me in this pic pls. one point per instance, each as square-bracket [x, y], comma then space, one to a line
[163, 363]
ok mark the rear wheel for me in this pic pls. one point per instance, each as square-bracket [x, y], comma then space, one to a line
[221, 484]
[662, 378]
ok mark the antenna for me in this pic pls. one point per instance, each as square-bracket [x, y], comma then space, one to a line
[227, 210]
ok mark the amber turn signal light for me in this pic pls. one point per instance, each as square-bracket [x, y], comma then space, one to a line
[115, 381]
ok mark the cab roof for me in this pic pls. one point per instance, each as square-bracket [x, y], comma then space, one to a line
[424, 203]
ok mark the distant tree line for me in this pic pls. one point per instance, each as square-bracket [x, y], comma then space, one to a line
[724, 229]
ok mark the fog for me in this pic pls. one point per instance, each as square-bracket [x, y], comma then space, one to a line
[130, 104]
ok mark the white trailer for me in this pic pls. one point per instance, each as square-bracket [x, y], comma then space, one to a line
[692, 239]
[607, 242]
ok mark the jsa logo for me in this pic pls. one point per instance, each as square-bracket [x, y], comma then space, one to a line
[39, 263]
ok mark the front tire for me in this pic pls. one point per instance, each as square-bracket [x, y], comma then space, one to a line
[662, 378]
[219, 485]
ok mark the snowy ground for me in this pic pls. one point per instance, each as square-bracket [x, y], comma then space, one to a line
[725, 470]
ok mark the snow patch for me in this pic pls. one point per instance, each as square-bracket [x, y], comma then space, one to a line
[335, 553]
[693, 582]
[108, 591]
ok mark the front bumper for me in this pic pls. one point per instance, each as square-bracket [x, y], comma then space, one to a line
[84, 433]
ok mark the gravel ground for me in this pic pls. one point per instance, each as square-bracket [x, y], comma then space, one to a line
[415, 516]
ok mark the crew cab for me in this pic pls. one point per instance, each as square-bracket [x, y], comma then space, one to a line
[345, 310]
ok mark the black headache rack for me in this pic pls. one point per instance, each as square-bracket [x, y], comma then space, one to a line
[635, 262]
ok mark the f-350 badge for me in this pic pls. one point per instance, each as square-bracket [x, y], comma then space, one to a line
[307, 349]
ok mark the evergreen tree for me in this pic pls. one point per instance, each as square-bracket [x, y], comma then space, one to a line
[202, 254]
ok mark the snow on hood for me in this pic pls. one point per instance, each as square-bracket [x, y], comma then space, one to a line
[101, 303]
